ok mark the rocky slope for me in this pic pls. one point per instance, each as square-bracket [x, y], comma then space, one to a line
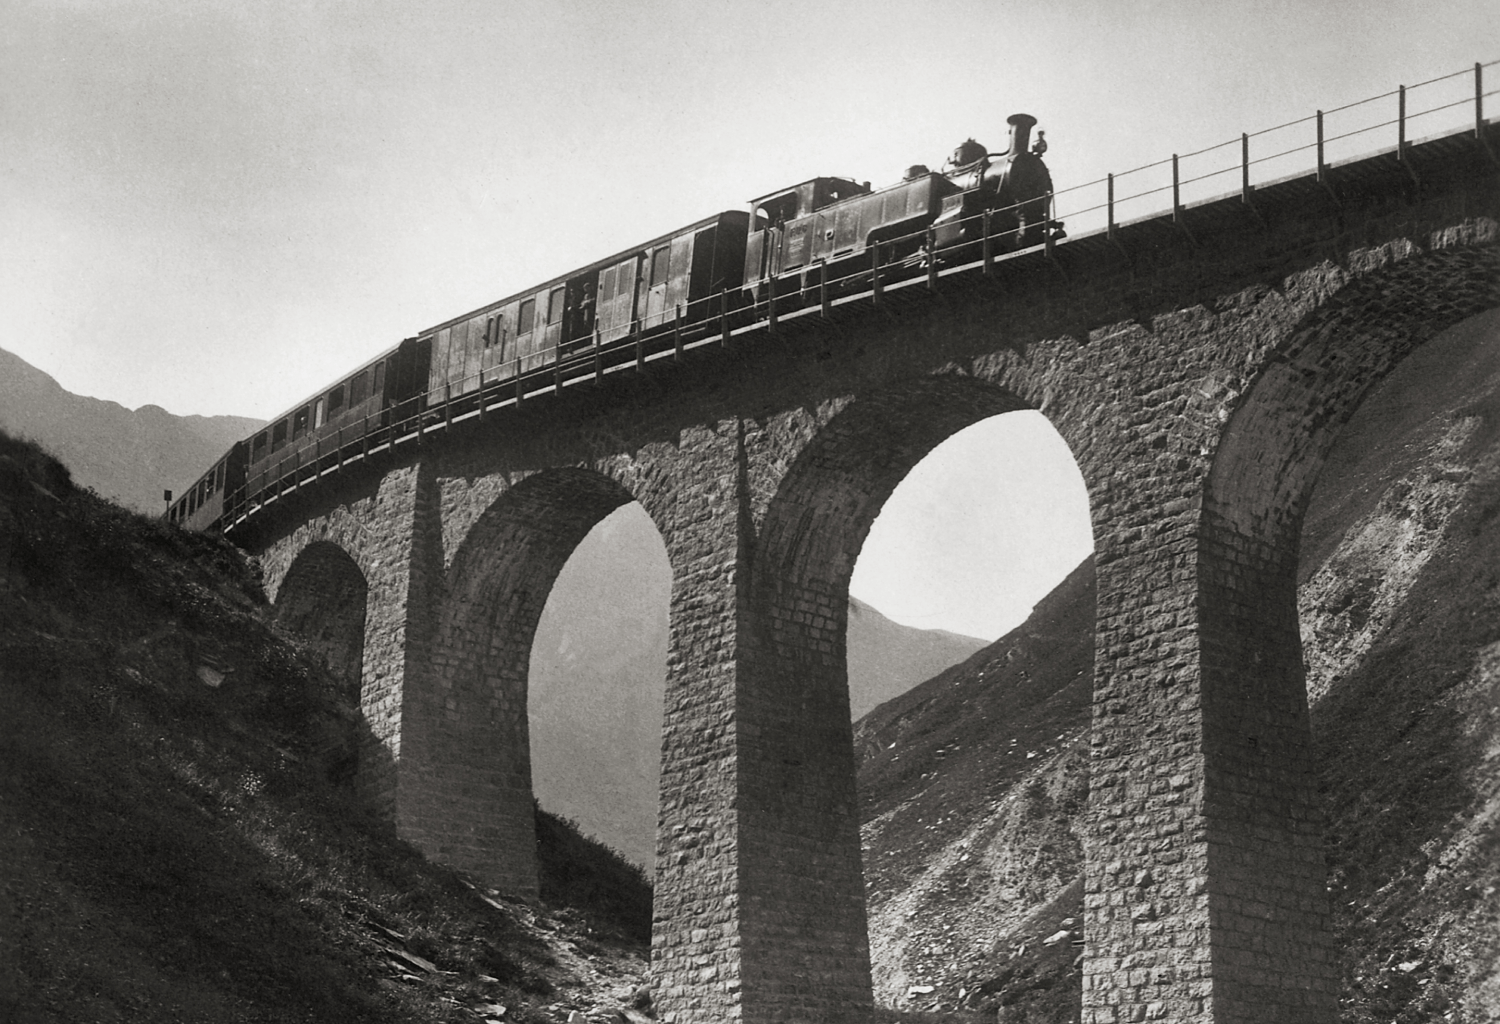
[129, 456]
[974, 783]
[180, 838]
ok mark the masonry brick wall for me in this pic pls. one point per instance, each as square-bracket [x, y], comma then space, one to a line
[1198, 381]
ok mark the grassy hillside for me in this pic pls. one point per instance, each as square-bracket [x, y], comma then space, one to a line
[180, 839]
[973, 784]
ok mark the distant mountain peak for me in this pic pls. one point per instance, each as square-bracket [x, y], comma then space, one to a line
[131, 456]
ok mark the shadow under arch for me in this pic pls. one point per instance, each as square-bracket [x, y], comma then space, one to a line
[324, 601]
[800, 853]
[466, 779]
[1263, 825]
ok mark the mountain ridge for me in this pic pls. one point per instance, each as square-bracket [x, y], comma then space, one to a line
[130, 455]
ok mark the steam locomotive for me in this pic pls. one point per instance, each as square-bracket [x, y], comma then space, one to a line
[826, 236]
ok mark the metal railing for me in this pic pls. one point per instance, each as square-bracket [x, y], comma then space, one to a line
[1309, 145]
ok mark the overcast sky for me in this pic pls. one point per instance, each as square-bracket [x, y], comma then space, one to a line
[219, 207]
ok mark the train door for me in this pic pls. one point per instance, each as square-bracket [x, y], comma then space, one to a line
[499, 337]
[552, 334]
[679, 280]
[579, 312]
[652, 304]
[617, 298]
[472, 345]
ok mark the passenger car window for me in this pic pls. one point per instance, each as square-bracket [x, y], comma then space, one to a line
[528, 315]
[555, 306]
[359, 387]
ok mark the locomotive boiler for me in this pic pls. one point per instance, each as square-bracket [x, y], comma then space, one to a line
[822, 229]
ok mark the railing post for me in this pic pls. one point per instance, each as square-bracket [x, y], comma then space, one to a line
[677, 331]
[1176, 193]
[932, 263]
[599, 355]
[1245, 168]
[1324, 178]
[1178, 217]
[989, 253]
[1245, 188]
[447, 406]
[640, 351]
[1480, 135]
[1401, 155]
[481, 386]
[520, 388]
[1401, 123]
[724, 316]
[823, 304]
[1109, 204]
[557, 368]
[771, 305]
[1479, 101]
[875, 273]
[1322, 164]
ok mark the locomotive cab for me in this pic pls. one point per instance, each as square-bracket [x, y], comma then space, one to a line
[782, 225]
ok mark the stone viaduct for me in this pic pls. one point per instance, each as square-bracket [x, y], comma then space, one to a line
[1199, 378]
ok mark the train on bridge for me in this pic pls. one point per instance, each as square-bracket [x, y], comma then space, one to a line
[816, 242]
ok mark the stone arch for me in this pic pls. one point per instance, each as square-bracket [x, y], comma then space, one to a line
[1262, 821]
[799, 814]
[340, 529]
[323, 599]
[466, 739]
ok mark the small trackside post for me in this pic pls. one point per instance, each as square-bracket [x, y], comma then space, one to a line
[932, 264]
[875, 273]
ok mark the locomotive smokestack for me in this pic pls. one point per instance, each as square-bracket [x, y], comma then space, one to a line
[1020, 132]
